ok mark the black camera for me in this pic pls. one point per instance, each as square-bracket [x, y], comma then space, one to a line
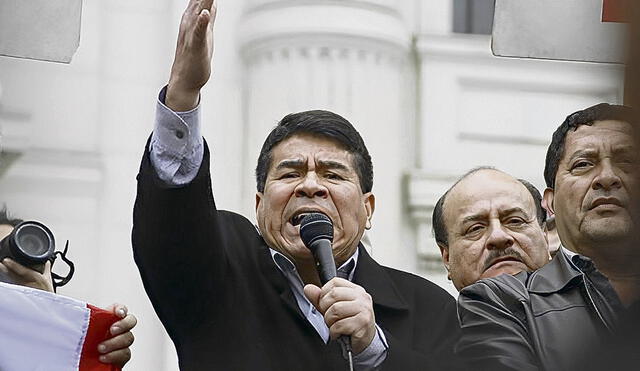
[30, 244]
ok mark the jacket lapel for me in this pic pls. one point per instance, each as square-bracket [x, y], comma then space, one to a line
[279, 282]
[375, 280]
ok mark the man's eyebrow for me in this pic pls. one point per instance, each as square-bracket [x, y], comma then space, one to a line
[514, 210]
[584, 152]
[329, 164]
[624, 149]
[474, 218]
[299, 163]
[290, 164]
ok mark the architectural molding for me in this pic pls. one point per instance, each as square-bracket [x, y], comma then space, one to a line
[65, 174]
[383, 6]
[335, 24]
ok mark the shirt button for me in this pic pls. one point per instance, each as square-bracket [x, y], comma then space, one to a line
[179, 134]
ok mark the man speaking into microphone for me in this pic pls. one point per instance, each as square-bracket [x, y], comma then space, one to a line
[236, 297]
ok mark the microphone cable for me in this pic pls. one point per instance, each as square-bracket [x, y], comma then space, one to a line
[347, 353]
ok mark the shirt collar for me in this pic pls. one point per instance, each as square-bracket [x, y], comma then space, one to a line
[568, 252]
[286, 265]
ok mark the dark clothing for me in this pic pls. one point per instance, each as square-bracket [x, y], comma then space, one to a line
[213, 283]
[548, 319]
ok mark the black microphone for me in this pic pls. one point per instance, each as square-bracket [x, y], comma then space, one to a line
[316, 232]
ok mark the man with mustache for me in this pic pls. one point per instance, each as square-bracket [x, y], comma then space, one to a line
[236, 297]
[489, 223]
[553, 317]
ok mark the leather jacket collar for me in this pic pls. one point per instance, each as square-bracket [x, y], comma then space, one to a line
[560, 273]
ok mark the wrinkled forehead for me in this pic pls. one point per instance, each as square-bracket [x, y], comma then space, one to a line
[484, 192]
[306, 147]
[602, 135]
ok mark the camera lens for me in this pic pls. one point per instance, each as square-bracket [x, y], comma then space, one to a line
[33, 240]
[30, 243]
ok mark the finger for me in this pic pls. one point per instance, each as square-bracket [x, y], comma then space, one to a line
[193, 7]
[312, 292]
[118, 309]
[346, 326]
[3, 268]
[202, 24]
[337, 282]
[24, 275]
[338, 294]
[342, 310]
[124, 325]
[117, 358]
[206, 4]
[18, 269]
[119, 342]
[47, 268]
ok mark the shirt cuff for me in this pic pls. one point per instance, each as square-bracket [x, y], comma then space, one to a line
[372, 356]
[176, 147]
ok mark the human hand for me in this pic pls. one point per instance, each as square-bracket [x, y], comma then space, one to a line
[192, 62]
[347, 310]
[116, 349]
[25, 276]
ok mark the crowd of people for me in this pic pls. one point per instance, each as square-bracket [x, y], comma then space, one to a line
[545, 279]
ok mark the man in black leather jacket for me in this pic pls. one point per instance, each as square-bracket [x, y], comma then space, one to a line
[553, 317]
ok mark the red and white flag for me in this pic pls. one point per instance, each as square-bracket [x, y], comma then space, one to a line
[41, 331]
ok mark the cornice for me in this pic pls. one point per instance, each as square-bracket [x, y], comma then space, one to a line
[330, 24]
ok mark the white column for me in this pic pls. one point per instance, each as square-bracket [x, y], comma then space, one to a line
[350, 57]
[137, 40]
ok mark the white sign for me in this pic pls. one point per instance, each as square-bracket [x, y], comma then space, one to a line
[40, 29]
[576, 30]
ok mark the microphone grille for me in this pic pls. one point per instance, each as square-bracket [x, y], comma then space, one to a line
[315, 226]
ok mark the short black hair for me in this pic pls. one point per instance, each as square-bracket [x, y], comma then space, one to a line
[439, 226]
[324, 124]
[587, 116]
[7, 219]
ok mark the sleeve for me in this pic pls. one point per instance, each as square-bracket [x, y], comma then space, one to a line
[176, 146]
[373, 355]
[494, 331]
[180, 245]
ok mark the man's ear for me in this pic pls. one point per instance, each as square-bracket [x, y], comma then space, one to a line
[369, 204]
[259, 196]
[444, 251]
[547, 201]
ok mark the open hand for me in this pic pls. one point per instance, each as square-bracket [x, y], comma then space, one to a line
[192, 62]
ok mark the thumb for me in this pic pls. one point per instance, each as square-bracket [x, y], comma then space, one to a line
[312, 292]
[118, 309]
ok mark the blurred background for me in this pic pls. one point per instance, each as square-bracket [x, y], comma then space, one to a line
[417, 79]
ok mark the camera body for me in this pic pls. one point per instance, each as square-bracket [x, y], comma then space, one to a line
[30, 244]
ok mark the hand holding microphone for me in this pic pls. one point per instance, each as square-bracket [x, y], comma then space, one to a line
[347, 307]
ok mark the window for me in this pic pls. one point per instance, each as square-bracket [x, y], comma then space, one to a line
[473, 16]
